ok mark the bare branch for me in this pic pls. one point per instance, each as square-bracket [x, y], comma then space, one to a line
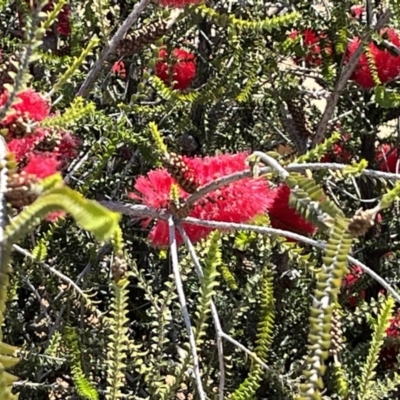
[110, 47]
[342, 81]
[182, 299]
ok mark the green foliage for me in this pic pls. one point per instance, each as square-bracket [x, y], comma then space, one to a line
[118, 344]
[83, 386]
[325, 295]
[367, 378]
[88, 214]
[246, 62]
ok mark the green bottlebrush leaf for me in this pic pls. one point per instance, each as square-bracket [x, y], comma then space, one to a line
[88, 214]
[325, 295]
[118, 344]
[83, 386]
[355, 169]
[367, 378]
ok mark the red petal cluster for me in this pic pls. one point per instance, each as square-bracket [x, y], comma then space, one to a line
[392, 347]
[350, 280]
[30, 107]
[39, 152]
[181, 72]
[238, 202]
[118, 68]
[314, 44]
[388, 159]
[282, 216]
[178, 3]
[339, 152]
[386, 62]
[42, 165]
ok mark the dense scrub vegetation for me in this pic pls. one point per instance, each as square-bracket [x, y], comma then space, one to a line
[199, 200]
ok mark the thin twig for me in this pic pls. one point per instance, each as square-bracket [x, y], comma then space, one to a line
[63, 277]
[110, 47]
[182, 299]
[342, 81]
[245, 349]
[214, 312]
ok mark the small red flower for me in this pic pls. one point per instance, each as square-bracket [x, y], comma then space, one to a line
[21, 147]
[282, 216]
[388, 158]
[41, 165]
[238, 202]
[392, 346]
[181, 71]
[351, 279]
[339, 152]
[357, 11]
[178, 3]
[30, 105]
[314, 44]
[386, 62]
[118, 68]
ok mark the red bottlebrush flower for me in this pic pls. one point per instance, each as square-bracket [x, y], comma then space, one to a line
[238, 202]
[41, 165]
[282, 216]
[181, 72]
[21, 147]
[314, 44]
[386, 62]
[30, 107]
[339, 153]
[351, 279]
[118, 68]
[357, 11]
[388, 158]
[178, 3]
[392, 346]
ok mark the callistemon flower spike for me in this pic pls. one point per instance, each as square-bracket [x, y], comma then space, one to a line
[181, 172]
[239, 202]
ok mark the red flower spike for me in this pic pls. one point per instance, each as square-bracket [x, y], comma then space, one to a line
[314, 43]
[118, 68]
[387, 63]
[339, 153]
[349, 280]
[391, 350]
[388, 158]
[23, 146]
[30, 107]
[238, 202]
[181, 71]
[42, 165]
[178, 3]
[282, 216]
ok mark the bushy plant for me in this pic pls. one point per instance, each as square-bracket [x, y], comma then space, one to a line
[198, 200]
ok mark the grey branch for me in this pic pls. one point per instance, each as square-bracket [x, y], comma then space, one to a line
[182, 299]
[341, 84]
[110, 47]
